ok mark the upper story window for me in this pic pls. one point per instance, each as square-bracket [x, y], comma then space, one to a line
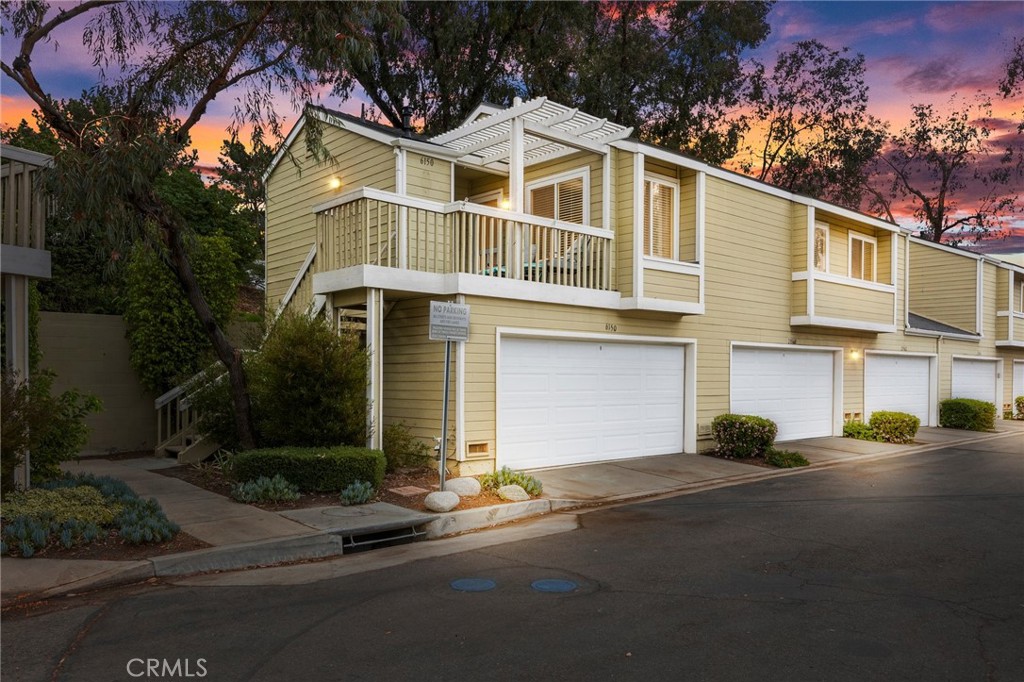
[863, 256]
[561, 197]
[661, 218]
[821, 247]
[1018, 302]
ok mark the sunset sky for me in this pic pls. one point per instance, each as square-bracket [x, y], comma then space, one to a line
[917, 52]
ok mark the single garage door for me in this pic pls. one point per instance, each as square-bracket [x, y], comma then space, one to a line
[569, 402]
[793, 388]
[976, 379]
[1018, 379]
[901, 383]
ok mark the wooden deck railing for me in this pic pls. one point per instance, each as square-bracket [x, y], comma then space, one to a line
[372, 227]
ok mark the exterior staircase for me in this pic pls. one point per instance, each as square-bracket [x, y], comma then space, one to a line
[176, 434]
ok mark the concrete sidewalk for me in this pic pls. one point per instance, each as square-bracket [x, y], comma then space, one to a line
[242, 536]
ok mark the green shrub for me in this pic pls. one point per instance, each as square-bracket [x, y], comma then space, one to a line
[785, 459]
[402, 449]
[1018, 404]
[860, 431]
[966, 413]
[82, 503]
[741, 435]
[311, 469]
[359, 492]
[51, 427]
[307, 385]
[264, 489]
[894, 427]
[506, 476]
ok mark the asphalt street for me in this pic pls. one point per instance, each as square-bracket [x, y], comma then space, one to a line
[903, 569]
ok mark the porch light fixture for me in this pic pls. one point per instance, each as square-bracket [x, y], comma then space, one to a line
[505, 204]
[854, 354]
[334, 183]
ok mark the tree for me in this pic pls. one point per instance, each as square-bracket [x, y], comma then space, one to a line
[670, 70]
[241, 169]
[161, 65]
[1012, 84]
[817, 136]
[938, 161]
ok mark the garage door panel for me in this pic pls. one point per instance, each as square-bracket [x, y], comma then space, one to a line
[792, 388]
[976, 379]
[598, 401]
[898, 383]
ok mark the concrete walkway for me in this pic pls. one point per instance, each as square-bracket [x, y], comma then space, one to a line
[243, 536]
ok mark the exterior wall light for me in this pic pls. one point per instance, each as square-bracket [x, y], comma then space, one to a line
[505, 204]
[854, 354]
[335, 183]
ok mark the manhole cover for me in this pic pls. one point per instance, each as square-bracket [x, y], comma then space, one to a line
[553, 585]
[473, 584]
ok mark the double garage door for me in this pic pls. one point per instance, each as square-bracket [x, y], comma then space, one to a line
[567, 401]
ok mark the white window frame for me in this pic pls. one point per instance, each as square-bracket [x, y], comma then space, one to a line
[481, 199]
[860, 236]
[582, 172]
[674, 184]
[827, 229]
[1018, 303]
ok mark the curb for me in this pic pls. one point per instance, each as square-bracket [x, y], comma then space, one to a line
[454, 523]
[248, 555]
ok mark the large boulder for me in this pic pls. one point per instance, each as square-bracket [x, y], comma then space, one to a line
[441, 501]
[513, 493]
[464, 486]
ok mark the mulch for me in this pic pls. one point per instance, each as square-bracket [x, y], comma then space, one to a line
[112, 548]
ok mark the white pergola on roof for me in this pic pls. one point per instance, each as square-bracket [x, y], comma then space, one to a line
[550, 130]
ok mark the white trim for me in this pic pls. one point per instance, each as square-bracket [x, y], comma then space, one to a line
[661, 305]
[744, 181]
[840, 323]
[846, 281]
[606, 191]
[654, 178]
[375, 376]
[401, 185]
[297, 280]
[596, 146]
[25, 156]
[906, 285]
[483, 197]
[946, 248]
[979, 297]
[837, 373]
[460, 395]
[555, 180]
[933, 381]
[689, 346]
[701, 221]
[515, 165]
[913, 331]
[487, 122]
[811, 219]
[867, 239]
[677, 266]
[894, 250]
[638, 224]
[285, 146]
[820, 225]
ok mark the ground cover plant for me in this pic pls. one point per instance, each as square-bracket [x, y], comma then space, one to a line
[506, 476]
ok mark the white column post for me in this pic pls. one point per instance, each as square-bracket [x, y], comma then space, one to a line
[16, 333]
[375, 376]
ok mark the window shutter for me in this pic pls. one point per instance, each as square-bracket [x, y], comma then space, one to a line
[542, 201]
[658, 201]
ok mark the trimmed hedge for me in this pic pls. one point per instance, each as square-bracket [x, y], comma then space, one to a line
[967, 413]
[860, 431]
[743, 435]
[311, 469]
[894, 427]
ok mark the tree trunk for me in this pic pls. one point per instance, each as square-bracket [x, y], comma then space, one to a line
[229, 356]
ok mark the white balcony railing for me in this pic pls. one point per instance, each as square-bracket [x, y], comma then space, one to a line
[373, 227]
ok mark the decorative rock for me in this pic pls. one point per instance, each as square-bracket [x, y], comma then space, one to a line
[513, 493]
[463, 486]
[441, 501]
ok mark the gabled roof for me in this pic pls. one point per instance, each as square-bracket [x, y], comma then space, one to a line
[925, 324]
[550, 130]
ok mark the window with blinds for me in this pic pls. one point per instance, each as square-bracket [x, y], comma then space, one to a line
[659, 219]
[560, 200]
[821, 247]
[862, 257]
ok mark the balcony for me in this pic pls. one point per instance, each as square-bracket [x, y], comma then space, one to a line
[378, 229]
[1009, 307]
[823, 300]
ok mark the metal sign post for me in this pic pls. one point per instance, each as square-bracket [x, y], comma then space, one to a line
[448, 322]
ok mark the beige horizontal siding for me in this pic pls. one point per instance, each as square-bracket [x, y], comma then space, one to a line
[832, 299]
[428, 177]
[671, 286]
[622, 192]
[943, 286]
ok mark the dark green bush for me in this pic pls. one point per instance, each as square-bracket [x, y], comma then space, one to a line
[1018, 404]
[307, 385]
[785, 459]
[311, 469]
[967, 413]
[402, 449]
[860, 431]
[742, 435]
[50, 426]
[894, 427]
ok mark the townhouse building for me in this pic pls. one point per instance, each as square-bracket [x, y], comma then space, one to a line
[621, 295]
